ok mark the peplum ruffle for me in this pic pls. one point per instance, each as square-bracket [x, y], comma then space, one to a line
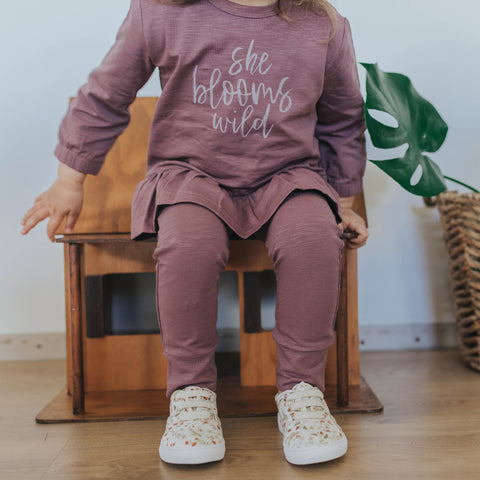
[244, 210]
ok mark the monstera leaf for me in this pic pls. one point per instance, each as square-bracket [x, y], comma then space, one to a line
[419, 125]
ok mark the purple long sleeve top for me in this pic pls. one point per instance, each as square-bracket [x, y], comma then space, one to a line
[252, 107]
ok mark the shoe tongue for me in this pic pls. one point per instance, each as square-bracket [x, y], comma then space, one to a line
[198, 392]
[193, 389]
[302, 386]
[204, 391]
[310, 390]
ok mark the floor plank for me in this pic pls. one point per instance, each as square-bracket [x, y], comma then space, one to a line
[430, 429]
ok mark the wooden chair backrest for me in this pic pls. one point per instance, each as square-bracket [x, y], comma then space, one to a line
[108, 195]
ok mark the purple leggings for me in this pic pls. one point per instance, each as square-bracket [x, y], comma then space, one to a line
[303, 241]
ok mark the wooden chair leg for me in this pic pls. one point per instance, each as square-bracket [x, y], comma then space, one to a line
[342, 338]
[76, 328]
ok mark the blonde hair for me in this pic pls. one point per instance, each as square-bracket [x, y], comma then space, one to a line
[284, 6]
[316, 6]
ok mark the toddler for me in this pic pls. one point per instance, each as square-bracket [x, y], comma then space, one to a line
[258, 133]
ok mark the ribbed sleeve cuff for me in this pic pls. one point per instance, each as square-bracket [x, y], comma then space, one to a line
[77, 162]
[348, 189]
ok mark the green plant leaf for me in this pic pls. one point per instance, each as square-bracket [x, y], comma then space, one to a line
[419, 125]
[402, 170]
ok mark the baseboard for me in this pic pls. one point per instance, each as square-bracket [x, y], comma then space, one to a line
[380, 337]
[32, 346]
[46, 346]
[408, 337]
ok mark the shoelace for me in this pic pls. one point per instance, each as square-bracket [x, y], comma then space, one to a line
[193, 407]
[301, 404]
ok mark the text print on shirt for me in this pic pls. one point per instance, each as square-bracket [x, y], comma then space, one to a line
[247, 94]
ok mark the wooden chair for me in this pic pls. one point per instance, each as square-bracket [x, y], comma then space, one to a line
[120, 376]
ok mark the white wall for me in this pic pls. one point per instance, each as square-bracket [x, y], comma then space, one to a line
[49, 47]
[403, 269]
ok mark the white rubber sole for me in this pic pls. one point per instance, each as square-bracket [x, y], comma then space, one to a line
[317, 454]
[191, 455]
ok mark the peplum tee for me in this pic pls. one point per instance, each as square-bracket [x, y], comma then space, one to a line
[253, 107]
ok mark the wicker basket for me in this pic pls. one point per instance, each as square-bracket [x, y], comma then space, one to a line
[460, 216]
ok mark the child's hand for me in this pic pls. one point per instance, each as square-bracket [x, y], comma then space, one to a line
[354, 223]
[63, 199]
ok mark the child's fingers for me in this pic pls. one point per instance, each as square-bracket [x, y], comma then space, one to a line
[358, 242]
[358, 226]
[70, 221]
[36, 215]
[36, 206]
[53, 224]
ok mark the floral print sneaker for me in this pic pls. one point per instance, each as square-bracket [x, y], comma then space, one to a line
[310, 433]
[193, 433]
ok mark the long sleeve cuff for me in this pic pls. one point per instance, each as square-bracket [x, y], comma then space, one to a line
[78, 162]
[349, 189]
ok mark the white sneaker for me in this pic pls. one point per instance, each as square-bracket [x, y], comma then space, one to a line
[193, 433]
[310, 433]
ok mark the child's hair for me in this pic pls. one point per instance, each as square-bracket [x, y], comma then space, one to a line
[285, 5]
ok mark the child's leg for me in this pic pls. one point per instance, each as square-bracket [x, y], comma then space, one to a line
[303, 240]
[191, 253]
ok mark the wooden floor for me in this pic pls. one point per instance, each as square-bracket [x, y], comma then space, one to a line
[430, 429]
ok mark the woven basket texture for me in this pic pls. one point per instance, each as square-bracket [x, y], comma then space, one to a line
[460, 216]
